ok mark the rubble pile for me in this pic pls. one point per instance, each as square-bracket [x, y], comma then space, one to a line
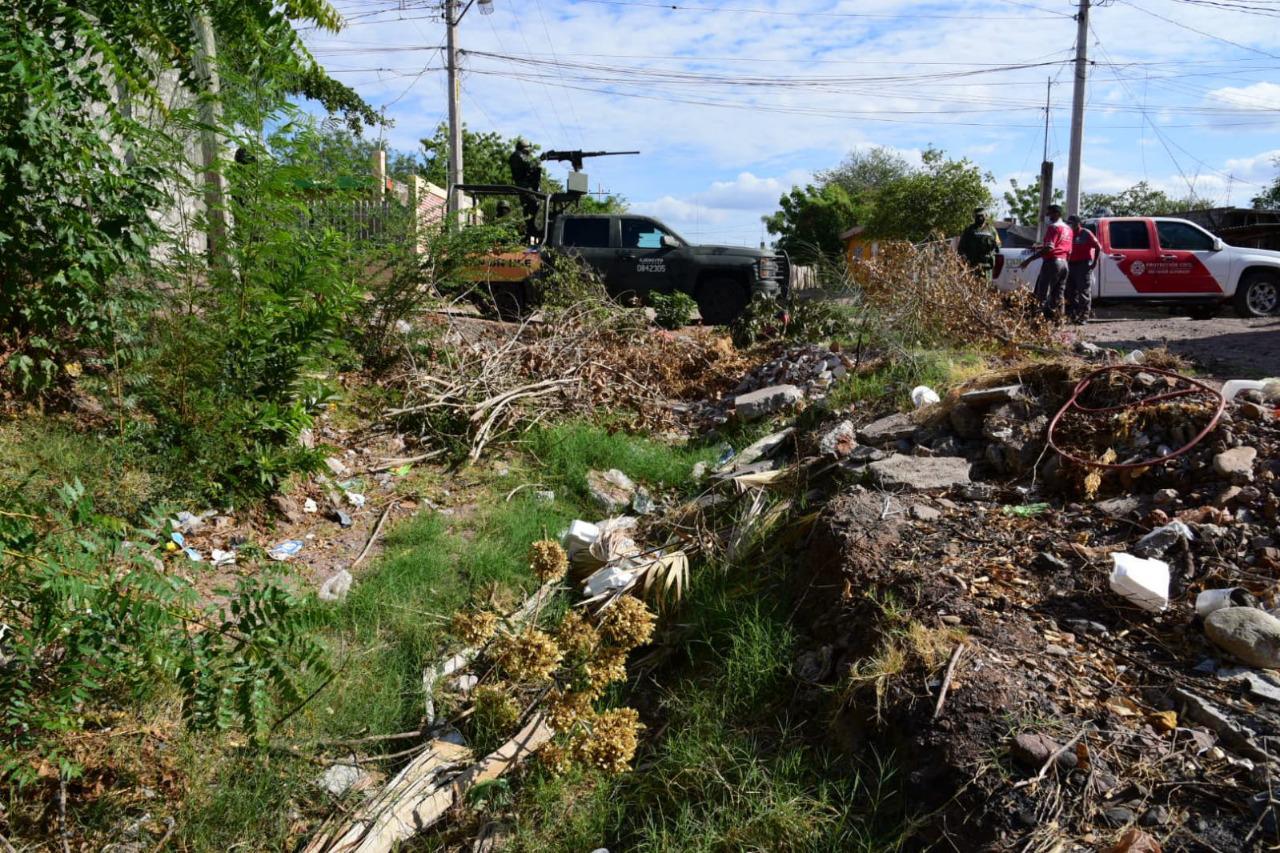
[800, 374]
[1058, 656]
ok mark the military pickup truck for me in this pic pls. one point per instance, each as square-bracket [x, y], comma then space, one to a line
[634, 256]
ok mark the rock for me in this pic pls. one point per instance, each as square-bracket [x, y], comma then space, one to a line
[1056, 651]
[1160, 540]
[1033, 750]
[611, 490]
[310, 507]
[1255, 411]
[1118, 816]
[287, 509]
[965, 420]
[642, 502]
[1087, 348]
[814, 666]
[340, 778]
[986, 396]
[1249, 634]
[920, 512]
[757, 404]
[344, 520]
[887, 430]
[762, 449]
[920, 473]
[839, 441]
[1085, 626]
[1262, 685]
[1227, 495]
[1121, 506]
[978, 491]
[336, 467]
[1236, 464]
[1231, 734]
[1165, 497]
[1051, 562]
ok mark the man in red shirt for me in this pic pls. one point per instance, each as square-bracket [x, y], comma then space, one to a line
[1053, 272]
[1085, 252]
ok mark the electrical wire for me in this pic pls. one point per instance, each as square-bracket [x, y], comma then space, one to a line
[1192, 29]
[680, 7]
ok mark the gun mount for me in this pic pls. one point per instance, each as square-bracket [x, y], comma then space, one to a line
[576, 157]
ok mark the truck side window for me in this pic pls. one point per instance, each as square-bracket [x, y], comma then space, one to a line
[1180, 235]
[1130, 235]
[586, 233]
[641, 234]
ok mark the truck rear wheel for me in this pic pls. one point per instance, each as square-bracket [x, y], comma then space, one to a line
[721, 300]
[506, 300]
[1258, 295]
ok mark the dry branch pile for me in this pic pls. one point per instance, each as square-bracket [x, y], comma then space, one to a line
[491, 379]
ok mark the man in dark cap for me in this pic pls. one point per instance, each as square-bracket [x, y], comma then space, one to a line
[526, 173]
[979, 245]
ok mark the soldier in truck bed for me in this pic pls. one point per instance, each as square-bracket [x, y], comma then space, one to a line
[979, 245]
[526, 173]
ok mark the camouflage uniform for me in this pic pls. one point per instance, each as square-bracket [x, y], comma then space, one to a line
[526, 172]
[979, 245]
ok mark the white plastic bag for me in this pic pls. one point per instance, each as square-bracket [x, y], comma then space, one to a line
[923, 395]
[336, 587]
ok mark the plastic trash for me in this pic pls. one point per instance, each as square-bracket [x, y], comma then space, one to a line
[309, 506]
[178, 539]
[608, 579]
[642, 502]
[285, 550]
[336, 587]
[544, 496]
[1232, 387]
[923, 395]
[356, 499]
[726, 453]
[344, 520]
[615, 542]
[193, 555]
[1143, 582]
[579, 537]
[1155, 543]
[222, 558]
[1215, 599]
[1134, 357]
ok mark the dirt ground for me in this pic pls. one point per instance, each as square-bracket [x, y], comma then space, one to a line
[1225, 347]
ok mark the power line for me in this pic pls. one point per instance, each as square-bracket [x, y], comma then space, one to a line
[677, 7]
[1198, 32]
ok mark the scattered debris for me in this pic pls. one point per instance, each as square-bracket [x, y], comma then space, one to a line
[1143, 582]
[923, 395]
[610, 490]
[920, 473]
[1250, 634]
[336, 587]
[286, 550]
[767, 401]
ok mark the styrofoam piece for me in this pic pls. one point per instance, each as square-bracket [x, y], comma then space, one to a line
[608, 579]
[579, 537]
[1143, 582]
[1210, 600]
[923, 395]
[1232, 387]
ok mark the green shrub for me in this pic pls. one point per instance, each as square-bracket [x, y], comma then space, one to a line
[91, 620]
[672, 310]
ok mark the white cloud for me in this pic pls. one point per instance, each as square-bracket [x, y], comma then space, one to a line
[1262, 96]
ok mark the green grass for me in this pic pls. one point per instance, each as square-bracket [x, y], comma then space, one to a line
[39, 454]
[895, 377]
[732, 768]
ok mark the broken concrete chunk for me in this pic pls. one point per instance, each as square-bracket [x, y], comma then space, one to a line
[1033, 750]
[920, 473]
[986, 396]
[762, 449]
[1236, 464]
[1231, 734]
[839, 441]
[766, 401]
[887, 430]
[611, 490]
[1249, 634]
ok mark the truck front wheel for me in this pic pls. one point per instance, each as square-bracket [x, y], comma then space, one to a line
[721, 300]
[1258, 295]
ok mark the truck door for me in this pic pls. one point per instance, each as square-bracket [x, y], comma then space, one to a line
[1129, 254]
[587, 237]
[650, 258]
[1189, 261]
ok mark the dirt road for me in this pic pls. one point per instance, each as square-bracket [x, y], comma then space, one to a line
[1224, 347]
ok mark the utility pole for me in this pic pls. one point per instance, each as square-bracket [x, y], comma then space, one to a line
[206, 67]
[1077, 108]
[451, 17]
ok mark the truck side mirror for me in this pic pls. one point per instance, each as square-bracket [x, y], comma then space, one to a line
[669, 242]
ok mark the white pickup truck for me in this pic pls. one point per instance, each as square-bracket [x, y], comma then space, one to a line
[1165, 261]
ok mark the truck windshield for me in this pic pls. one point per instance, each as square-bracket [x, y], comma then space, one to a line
[643, 234]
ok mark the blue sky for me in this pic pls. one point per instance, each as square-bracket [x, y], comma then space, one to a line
[732, 102]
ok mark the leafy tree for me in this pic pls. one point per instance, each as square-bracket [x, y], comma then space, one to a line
[937, 198]
[863, 172]
[1270, 197]
[1024, 202]
[1141, 199]
[811, 220]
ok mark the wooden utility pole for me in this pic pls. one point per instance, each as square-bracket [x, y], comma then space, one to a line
[455, 106]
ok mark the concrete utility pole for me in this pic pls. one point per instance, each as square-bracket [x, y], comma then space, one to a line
[451, 16]
[1077, 108]
[206, 66]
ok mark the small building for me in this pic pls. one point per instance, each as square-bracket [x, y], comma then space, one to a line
[1239, 226]
[858, 247]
